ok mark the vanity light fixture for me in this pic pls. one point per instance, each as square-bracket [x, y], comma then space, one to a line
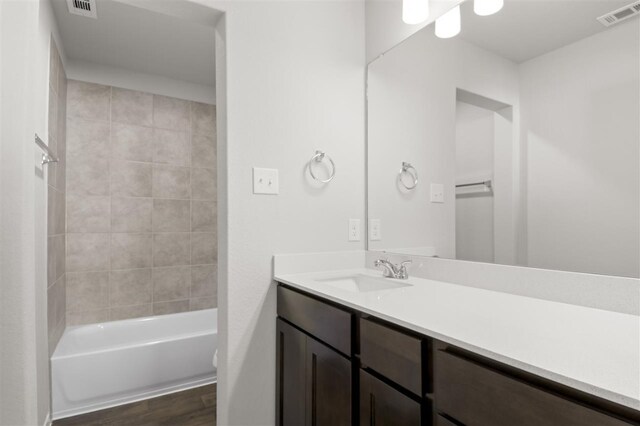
[415, 11]
[448, 25]
[487, 7]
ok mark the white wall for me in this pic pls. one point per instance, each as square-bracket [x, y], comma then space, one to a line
[412, 100]
[47, 29]
[223, 217]
[18, 363]
[25, 33]
[292, 87]
[127, 79]
[295, 83]
[580, 126]
[475, 136]
[411, 118]
[385, 28]
[566, 187]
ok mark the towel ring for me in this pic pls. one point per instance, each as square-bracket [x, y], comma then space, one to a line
[407, 168]
[317, 158]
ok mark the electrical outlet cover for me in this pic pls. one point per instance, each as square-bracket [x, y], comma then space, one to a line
[354, 229]
[375, 230]
[437, 193]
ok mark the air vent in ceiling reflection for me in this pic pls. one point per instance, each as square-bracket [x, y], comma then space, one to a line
[621, 14]
[83, 8]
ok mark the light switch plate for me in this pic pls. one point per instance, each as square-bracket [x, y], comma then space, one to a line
[437, 193]
[265, 181]
[375, 230]
[354, 229]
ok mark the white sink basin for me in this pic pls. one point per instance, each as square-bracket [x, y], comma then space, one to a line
[362, 283]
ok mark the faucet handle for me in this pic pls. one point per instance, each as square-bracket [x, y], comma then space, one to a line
[402, 270]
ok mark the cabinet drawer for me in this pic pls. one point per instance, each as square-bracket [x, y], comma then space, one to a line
[380, 404]
[476, 395]
[325, 322]
[395, 355]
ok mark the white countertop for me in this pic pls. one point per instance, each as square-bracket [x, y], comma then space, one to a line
[593, 350]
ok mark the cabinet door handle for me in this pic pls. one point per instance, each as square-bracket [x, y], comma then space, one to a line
[314, 361]
[281, 378]
[372, 409]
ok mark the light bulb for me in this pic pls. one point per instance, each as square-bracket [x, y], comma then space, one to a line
[415, 11]
[487, 7]
[448, 25]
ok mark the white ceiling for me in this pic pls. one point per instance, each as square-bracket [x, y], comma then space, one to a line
[525, 29]
[139, 40]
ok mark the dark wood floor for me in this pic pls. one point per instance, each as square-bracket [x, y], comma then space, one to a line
[193, 407]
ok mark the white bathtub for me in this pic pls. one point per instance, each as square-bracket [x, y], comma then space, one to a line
[103, 365]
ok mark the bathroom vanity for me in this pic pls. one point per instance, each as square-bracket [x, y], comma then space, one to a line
[493, 164]
[345, 358]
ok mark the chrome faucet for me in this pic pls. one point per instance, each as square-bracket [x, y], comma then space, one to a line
[393, 271]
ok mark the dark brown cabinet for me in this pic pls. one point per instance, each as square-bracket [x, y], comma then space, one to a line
[380, 404]
[325, 322]
[443, 421]
[394, 354]
[291, 376]
[337, 366]
[328, 386]
[476, 395]
[313, 381]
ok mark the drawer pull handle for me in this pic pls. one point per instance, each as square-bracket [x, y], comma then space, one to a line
[314, 361]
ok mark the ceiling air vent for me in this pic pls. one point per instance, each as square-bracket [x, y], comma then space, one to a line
[620, 15]
[83, 8]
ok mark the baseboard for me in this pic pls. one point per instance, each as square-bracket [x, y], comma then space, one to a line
[47, 420]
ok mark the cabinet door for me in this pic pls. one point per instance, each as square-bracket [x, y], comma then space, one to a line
[290, 375]
[328, 386]
[382, 405]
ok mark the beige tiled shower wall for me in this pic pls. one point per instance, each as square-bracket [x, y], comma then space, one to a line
[141, 204]
[56, 199]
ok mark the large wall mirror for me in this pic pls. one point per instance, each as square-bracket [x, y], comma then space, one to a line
[516, 142]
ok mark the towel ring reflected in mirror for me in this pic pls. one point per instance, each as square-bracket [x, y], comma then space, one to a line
[318, 158]
[408, 169]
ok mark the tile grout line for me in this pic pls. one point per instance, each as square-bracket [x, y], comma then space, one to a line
[95, 271]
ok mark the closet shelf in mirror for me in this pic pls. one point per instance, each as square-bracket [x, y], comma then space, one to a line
[474, 187]
[486, 183]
